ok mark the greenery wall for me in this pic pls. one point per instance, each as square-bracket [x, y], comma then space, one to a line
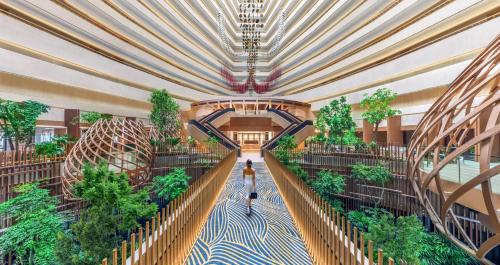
[404, 238]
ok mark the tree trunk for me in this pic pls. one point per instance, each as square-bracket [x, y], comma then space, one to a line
[18, 154]
[375, 132]
[11, 143]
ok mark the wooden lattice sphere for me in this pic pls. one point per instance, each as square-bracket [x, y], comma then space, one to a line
[123, 144]
[465, 117]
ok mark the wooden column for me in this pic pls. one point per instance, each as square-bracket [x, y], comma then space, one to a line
[367, 132]
[70, 121]
[394, 133]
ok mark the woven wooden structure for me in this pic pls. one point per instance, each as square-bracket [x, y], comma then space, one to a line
[471, 106]
[122, 144]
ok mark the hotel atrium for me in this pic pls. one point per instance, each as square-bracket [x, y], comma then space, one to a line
[343, 132]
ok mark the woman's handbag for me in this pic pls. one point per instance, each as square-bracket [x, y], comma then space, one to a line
[253, 195]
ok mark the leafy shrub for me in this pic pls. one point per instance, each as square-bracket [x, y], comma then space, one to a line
[399, 238]
[437, 249]
[92, 117]
[32, 236]
[366, 217]
[172, 185]
[284, 150]
[404, 238]
[319, 138]
[191, 141]
[327, 185]
[54, 147]
[298, 171]
[378, 174]
[113, 212]
[212, 141]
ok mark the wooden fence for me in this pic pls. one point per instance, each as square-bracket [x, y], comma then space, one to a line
[397, 196]
[329, 237]
[196, 160]
[169, 237]
[19, 167]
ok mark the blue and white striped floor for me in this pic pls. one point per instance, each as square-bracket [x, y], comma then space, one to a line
[268, 236]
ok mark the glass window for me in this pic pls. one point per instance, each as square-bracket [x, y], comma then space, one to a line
[43, 135]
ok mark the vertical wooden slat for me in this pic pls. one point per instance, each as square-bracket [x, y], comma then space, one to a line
[362, 248]
[370, 252]
[355, 241]
[380, 257]
[342, 248]
[169, 234]
[349, 253]
[115, 256]
[124, 252]
[159, 236]
[164, 236]
[148, 253]
[141, 258]
[153, 241]
[132, 249]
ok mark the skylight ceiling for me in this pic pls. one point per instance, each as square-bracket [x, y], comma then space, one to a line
[327, 48]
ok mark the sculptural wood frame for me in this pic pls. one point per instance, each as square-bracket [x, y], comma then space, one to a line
[123, 144]
[442, 133]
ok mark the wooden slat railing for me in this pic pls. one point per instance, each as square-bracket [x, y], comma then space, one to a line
[396, 196]
[169, 236]
[329, 236]
[24, 157]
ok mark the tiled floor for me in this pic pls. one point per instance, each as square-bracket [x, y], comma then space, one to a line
[253, 155]
[268, 236]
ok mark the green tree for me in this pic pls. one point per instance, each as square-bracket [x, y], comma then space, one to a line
[165, 113]
[92, 117]
[327, 185]
[171, 185]
[378, 107]
[18, 121]
[56, 146]
[32, 236]
[336, 120]
[113, 212]
[285, 148]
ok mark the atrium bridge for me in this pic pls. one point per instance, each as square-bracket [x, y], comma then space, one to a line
[373, 127]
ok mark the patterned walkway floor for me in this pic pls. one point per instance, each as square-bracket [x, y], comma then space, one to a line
[268, 236]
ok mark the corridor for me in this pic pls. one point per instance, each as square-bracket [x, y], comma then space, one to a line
[268, 236]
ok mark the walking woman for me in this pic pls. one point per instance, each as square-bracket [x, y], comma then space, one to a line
[250, 187]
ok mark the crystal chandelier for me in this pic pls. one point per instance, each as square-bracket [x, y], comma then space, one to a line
[251, 24]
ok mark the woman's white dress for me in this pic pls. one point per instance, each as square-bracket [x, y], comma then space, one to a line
[249, 188]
